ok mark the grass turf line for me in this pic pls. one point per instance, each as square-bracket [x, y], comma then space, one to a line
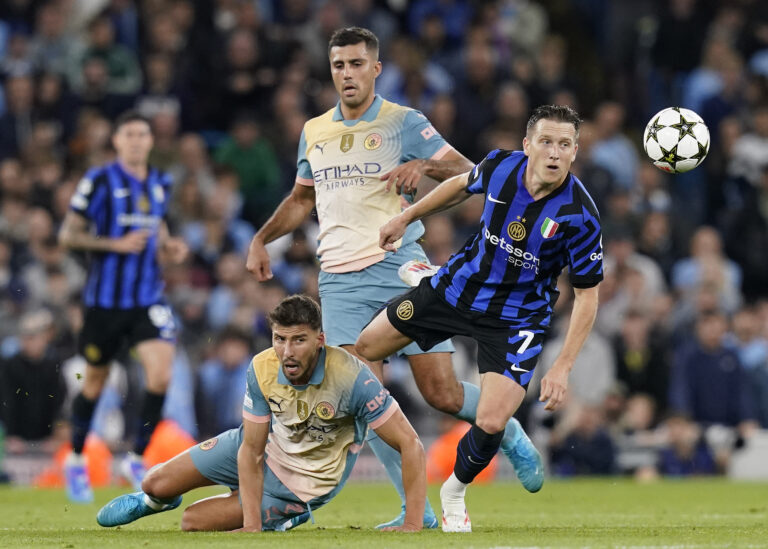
[580, 514]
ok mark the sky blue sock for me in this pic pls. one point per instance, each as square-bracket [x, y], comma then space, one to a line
[393, 464]
[468, 410]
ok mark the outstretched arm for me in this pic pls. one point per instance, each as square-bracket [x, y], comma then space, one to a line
[399, 434]
[288, 216]
[406, 176]
[450, 192]
[555, 381]
[250, 470]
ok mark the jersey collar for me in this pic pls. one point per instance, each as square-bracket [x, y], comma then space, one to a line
[317, 376]
[368, 116]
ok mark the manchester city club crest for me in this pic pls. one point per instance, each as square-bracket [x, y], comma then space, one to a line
[208, 444]
[372, 141]
[325, 410]
[347, 140]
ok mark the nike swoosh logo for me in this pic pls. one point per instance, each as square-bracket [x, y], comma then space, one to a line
[514, 368]
[473, 461]
[121, 193]
[494, 200]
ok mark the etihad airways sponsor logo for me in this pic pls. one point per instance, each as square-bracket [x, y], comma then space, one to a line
[346, 171]
[517, 256]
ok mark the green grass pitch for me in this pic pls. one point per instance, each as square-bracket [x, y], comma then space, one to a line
[580, 514]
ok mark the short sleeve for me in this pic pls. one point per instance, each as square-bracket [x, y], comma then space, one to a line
[370, 401]
[481, 173]
[420, 138]
[89, 196]
[255, 406]
[585, 251]
[303, 168]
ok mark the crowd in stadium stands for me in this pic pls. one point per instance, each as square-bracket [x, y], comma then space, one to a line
[675, 374]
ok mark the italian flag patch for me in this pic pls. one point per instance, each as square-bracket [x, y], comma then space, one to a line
[549, 228]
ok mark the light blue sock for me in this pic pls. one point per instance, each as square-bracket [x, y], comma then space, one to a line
[393, 464]
[468, 410]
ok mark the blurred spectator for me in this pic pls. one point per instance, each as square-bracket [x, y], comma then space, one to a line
[686, 452]
[581, 445]
[708, 383]
[750, 151]
[51, 47]
[708, 265]
[641, 361]
[16, 123]
[221, 383]
[32, 386]
[249, 153]
[748, 336]
[612, 149]
[123, 74]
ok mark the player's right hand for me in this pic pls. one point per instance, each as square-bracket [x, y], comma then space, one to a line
[258, 261]
[133, 242]
[392, 231]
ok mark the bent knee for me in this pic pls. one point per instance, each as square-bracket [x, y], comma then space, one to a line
[363, 348]
[157, 484]
[491, 425]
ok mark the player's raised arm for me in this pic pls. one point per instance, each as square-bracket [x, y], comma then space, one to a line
[288, 216]
[399, 434]
[555, 381]
[250, 470]
[450, 192]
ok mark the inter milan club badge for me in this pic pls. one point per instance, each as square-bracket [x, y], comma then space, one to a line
[208, 444]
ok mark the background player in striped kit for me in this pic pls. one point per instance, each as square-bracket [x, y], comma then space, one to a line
[117, 214]
[359, 164]
[501, 287]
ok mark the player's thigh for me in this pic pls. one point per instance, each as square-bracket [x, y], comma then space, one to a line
[380, 339]
[176, 476]
[347, 306]
[102, 334]
[216, 458]
[436, 380]
[216, 513]
[511, 350]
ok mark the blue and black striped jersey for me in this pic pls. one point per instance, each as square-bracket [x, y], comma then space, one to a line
[509, 269]
[116, 203]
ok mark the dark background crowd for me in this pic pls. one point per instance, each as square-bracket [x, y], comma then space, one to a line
[674, 377]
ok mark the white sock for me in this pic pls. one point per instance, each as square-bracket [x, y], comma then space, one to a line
[452, 492]
[152, 503]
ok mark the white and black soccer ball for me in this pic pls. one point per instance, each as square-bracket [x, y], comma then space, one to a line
[676, 139]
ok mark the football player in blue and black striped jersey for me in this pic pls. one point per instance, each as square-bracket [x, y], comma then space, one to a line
[501, 287]
[117, 215]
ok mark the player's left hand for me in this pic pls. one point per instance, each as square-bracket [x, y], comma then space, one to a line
[554, 385]
[406, 176]
[175, 250]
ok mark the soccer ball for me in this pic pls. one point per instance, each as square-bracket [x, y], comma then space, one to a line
[676, 139]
